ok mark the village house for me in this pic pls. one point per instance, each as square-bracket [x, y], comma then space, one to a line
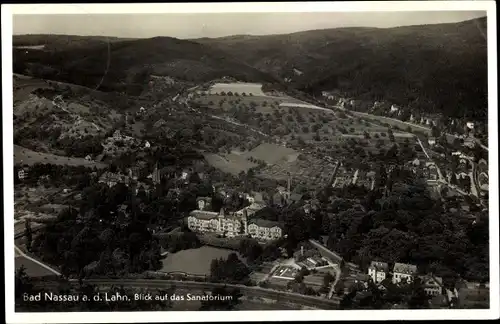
[433, 286]
[378, 271]
[22, 174]
[147, 144]
[112, 179]
[430, 171]
[470, 125]
[403, 272]
[394, 109]
[88, 158]
[431, 141]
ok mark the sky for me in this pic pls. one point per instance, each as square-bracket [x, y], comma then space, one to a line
[188, 26]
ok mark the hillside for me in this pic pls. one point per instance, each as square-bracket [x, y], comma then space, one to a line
[435, 68]
[126, 66]
[61, 42]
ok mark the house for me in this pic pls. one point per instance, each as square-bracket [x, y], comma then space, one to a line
[470, 125]
[394, 109]
[402, 272]
[88, 158]
[433, 286]
[147, 144]
[22, 174]
[431, 141]
[378, 271]
[117, 135]
[297, 72]
[204, 203]
[264, 229]
[111, 179]
[469, 142]
[160, 123]
[142, 110]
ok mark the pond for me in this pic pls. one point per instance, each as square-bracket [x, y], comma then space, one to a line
[194, 261]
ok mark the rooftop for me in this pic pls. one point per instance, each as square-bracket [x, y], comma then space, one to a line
[405, 268]
[379, 266]
[264, 223]
[201, 214]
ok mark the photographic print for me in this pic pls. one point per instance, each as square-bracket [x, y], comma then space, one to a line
[208, 159]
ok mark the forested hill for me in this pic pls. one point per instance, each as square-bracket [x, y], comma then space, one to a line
[435, 68]
[124, 66]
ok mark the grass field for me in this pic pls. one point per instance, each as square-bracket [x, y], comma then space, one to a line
[248, 88]
[273, 154]
[26, 156]
[229, 163]
[194, 261]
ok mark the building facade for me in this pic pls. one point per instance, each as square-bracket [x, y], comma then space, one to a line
[378, 271]
[433, 286]
[233, 224]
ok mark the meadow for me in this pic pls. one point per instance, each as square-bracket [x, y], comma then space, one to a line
[26, 156]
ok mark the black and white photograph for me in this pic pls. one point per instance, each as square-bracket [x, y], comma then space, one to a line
[290, 161]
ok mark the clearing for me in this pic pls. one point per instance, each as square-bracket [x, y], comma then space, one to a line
[231, 163]
[26, 156]
[254, 89]
[273, 154]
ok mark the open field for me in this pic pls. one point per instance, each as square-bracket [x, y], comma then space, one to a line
[230, 163]
[194, 261]
[273, 154]
[26, 156]
[254, 89]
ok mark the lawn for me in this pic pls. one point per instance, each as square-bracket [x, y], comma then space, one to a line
[229, 163]
[194, 261]
[273, 154]
[26, 156]
[248, 88]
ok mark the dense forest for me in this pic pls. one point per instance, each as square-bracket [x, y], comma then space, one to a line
[434, 68]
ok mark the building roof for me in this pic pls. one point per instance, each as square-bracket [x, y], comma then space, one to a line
[405, 268]
[379, 266]
[202, 214]
[264, 223]
[432, 280]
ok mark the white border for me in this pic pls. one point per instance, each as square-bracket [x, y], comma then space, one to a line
[8, 10]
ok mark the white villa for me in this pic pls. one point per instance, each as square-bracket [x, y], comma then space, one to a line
[378, 271]
[21, 174]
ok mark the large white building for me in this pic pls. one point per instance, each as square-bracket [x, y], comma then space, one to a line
[234, 224]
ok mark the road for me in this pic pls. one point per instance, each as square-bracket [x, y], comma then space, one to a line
[20, 254]
[239, 124]
[310, 301]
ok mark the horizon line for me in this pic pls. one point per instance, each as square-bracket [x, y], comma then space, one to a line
[251, 35]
